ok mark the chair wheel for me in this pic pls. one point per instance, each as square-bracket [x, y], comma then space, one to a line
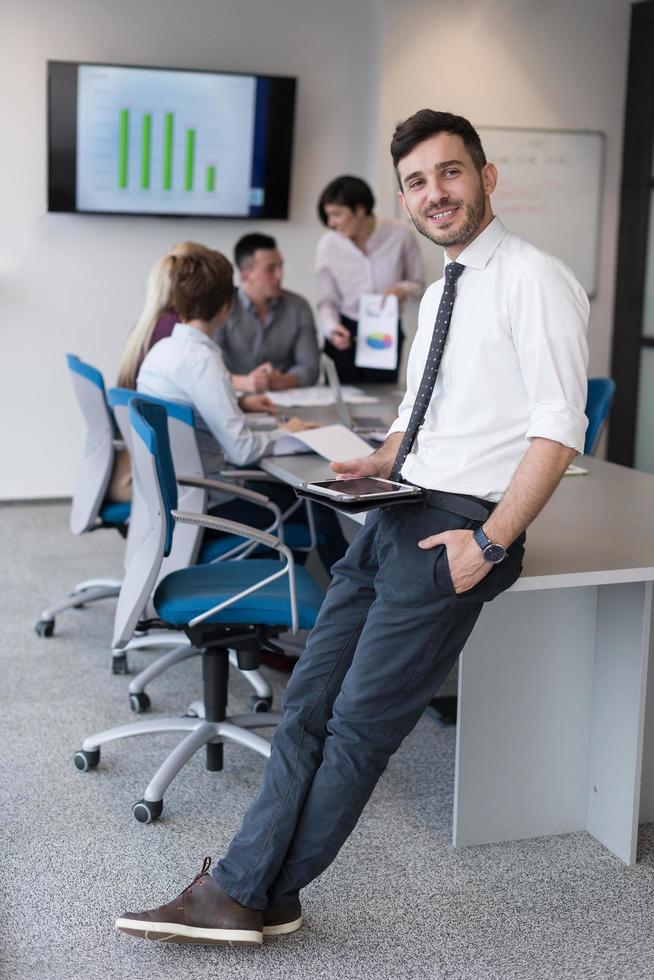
[257, 703]
[86, 760]
[146, 811]
[139, 702]
[119, 664]
[44, 627]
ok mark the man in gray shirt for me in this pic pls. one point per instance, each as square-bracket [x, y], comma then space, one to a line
[269, 341]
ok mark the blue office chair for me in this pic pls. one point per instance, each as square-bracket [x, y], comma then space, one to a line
[187, 546]
[90, 509]
[598, 405]
[229, 605]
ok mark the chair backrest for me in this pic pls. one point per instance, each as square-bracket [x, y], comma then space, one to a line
[154, 484]
[598, 405]
[99, 450]
[186, 461]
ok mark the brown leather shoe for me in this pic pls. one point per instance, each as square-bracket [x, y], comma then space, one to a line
[203, 913]
[278, 920]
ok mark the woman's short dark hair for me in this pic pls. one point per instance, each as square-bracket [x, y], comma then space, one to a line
[348, 191]
[425, 123]
[202, 284]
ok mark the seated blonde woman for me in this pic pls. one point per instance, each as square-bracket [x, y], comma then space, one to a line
[156, 321]
[158, 316]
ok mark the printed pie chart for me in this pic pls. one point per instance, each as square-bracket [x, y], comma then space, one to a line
[379, 341]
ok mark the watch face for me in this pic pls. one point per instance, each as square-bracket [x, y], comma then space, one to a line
[494, 553]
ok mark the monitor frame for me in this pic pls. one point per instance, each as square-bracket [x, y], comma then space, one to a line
[62, 143]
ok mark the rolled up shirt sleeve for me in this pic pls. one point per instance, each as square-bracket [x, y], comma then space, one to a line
[328, 304]
[549, 321]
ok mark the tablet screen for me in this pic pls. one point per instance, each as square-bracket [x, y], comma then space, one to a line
[363, 485]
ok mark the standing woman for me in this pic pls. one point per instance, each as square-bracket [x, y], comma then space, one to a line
[360, 254]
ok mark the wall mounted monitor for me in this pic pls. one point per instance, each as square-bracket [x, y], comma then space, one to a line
[160, 141]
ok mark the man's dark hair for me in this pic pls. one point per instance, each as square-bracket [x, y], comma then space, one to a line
[249, 244]
[202, 283]
[348, 191]
[425, 123]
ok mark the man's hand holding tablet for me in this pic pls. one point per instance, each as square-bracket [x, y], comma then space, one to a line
[378, 464]
[365, 480]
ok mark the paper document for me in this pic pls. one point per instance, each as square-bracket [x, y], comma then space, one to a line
[377, 332]
[318, 395]
[329, 441]
[574, 470]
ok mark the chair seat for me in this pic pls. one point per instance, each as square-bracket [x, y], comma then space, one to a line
[115, 513]
[189, 592]
[295, 536]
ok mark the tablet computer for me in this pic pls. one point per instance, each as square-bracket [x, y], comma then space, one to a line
[362, 488]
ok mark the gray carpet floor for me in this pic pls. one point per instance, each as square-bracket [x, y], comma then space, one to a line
[398, 902]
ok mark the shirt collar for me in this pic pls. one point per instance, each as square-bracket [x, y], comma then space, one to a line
[478, 253]
[247, 303]
[192, 333]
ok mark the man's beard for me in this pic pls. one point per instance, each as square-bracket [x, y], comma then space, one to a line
[473, 217]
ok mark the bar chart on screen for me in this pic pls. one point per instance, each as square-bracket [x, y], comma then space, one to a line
[175, 143]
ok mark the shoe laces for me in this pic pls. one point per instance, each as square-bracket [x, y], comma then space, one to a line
[204, 870]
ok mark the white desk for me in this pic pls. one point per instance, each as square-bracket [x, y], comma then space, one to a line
[556, 717]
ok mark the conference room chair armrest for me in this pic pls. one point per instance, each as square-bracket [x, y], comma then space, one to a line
[231, 527]
[256, 498]
[254, 534]
[207, 484]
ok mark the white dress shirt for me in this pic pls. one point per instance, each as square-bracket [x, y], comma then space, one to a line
[344, 273]
[514, 367]
[188, 367]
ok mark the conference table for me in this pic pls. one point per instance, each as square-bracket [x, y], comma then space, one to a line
[555, 727]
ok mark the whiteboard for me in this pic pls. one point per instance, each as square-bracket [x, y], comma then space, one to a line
[549, 191]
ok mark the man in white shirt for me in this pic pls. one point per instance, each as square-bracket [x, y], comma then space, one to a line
[488, 433]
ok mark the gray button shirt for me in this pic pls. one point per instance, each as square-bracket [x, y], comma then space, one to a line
[287, 339]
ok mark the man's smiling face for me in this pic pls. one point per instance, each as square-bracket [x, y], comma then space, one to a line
[444, 194]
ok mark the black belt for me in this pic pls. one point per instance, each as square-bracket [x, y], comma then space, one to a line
[461, 504]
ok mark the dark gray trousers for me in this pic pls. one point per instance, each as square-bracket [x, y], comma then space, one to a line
[388, 632]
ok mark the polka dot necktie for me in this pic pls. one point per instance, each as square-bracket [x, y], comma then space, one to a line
[442, 325]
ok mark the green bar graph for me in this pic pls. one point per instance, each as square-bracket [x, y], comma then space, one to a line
[168, 151]
[149, 154]
[188, 160]
[146, 144]
[124, 147]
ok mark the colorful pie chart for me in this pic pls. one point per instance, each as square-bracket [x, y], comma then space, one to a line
[379, 341]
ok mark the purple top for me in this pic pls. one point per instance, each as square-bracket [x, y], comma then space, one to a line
[164, 326]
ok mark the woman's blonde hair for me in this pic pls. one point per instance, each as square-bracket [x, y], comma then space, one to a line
[158, 299]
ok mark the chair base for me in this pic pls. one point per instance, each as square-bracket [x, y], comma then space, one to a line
[235, 728]
[82, 594]
[211, 731]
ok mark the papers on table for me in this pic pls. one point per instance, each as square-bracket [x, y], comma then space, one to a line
[377, 331]
[317, 396]
[573, 470]
[329, 441]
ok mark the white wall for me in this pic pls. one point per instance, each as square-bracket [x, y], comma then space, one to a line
[75, 282]
[559, 64]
